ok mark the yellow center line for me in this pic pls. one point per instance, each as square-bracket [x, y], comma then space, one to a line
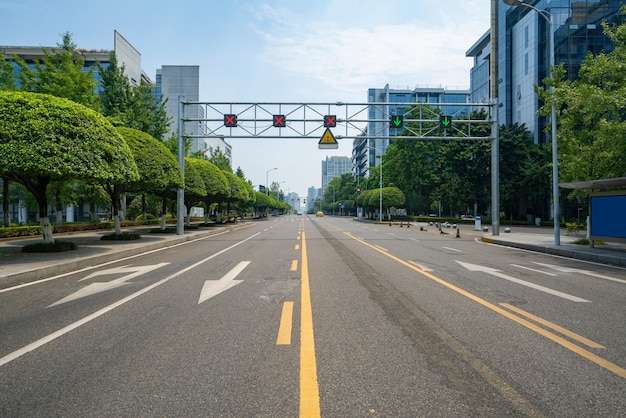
[286, 321]
[309, 389]
[559, 340]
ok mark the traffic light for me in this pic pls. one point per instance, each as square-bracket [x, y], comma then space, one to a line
[230, 121]
[358, 189]
[396, 121]
[278, 121]
[330, 121]
[445, 122]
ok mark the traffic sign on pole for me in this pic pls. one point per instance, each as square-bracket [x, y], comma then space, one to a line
[328, 141]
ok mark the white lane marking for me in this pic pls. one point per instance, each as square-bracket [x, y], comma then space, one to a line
[452, 249]
[535, 270]
[580, 271]
[51, 337]
[215, 287]
[497, 273]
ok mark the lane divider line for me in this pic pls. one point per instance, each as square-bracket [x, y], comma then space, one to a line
[286, 324]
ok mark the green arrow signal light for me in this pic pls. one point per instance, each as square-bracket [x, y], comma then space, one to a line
[445, 121]
[396, 121]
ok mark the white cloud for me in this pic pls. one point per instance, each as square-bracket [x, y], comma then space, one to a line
[355, 56]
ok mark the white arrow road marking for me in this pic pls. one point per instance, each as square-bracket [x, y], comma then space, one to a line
[580, 271]
[535, 270]
[215, 287]
[98, 287]
[497, 273]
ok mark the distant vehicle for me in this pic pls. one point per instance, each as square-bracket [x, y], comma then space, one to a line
[299, 213]
[467, 217]
[319, 214]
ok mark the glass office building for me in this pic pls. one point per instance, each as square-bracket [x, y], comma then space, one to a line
[524, 56]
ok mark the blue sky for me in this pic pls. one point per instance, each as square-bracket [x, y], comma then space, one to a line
[273, 51]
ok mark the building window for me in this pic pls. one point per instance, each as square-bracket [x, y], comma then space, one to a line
[526, 37]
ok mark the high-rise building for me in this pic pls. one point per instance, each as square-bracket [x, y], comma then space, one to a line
[334, 166]
[524, 55]
[183, 81]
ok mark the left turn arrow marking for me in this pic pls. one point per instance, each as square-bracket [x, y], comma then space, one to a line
[93, 288]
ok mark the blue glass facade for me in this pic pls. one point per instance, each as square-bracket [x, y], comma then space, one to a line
[524, 55]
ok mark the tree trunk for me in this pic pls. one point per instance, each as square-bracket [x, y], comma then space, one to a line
[143, 207]
[5, 202]
[164, 211]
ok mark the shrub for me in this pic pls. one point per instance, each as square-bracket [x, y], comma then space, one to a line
[125, 236]
[55, 247]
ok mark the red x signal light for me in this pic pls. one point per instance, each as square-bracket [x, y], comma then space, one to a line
[330, 121]
[279, 121]
[230, 121]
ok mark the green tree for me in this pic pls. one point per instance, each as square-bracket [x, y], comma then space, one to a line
[46, 138]
[195, 187]
[591, 116]
[220, 160]
[60, 74]
[134, 106]
[216, 185]
[158, 169]
[116, 89]
[7, 76]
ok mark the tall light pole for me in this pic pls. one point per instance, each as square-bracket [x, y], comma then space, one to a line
[549, 17]
[380, 190]
[267, 174]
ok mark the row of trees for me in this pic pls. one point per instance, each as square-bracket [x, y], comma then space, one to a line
[60, 138]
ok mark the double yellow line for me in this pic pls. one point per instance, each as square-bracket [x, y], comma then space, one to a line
[530, 325]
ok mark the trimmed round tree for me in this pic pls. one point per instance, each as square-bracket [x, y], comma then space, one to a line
[45, 138]
[158, 168]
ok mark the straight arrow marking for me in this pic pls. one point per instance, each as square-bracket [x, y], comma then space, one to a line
[497, 273]
[215, 287]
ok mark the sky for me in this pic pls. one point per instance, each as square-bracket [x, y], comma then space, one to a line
[302, 51]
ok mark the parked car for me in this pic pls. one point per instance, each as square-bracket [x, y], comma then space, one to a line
[319, 214]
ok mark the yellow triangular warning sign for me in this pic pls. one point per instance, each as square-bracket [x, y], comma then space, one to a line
[328, 140]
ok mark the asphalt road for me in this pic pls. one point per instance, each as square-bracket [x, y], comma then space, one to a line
[319, 316]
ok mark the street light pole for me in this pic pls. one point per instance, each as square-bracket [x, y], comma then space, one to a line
[380, 191]
[267, 186]
[549, 17]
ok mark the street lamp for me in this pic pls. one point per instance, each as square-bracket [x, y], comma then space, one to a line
[267, 186]
[380, 190]
[549, 17]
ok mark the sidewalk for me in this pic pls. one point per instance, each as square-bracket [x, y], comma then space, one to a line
[17, 267]
[612, 253]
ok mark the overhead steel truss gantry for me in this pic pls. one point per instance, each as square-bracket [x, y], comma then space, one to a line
[349, 120]
[383, 120]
